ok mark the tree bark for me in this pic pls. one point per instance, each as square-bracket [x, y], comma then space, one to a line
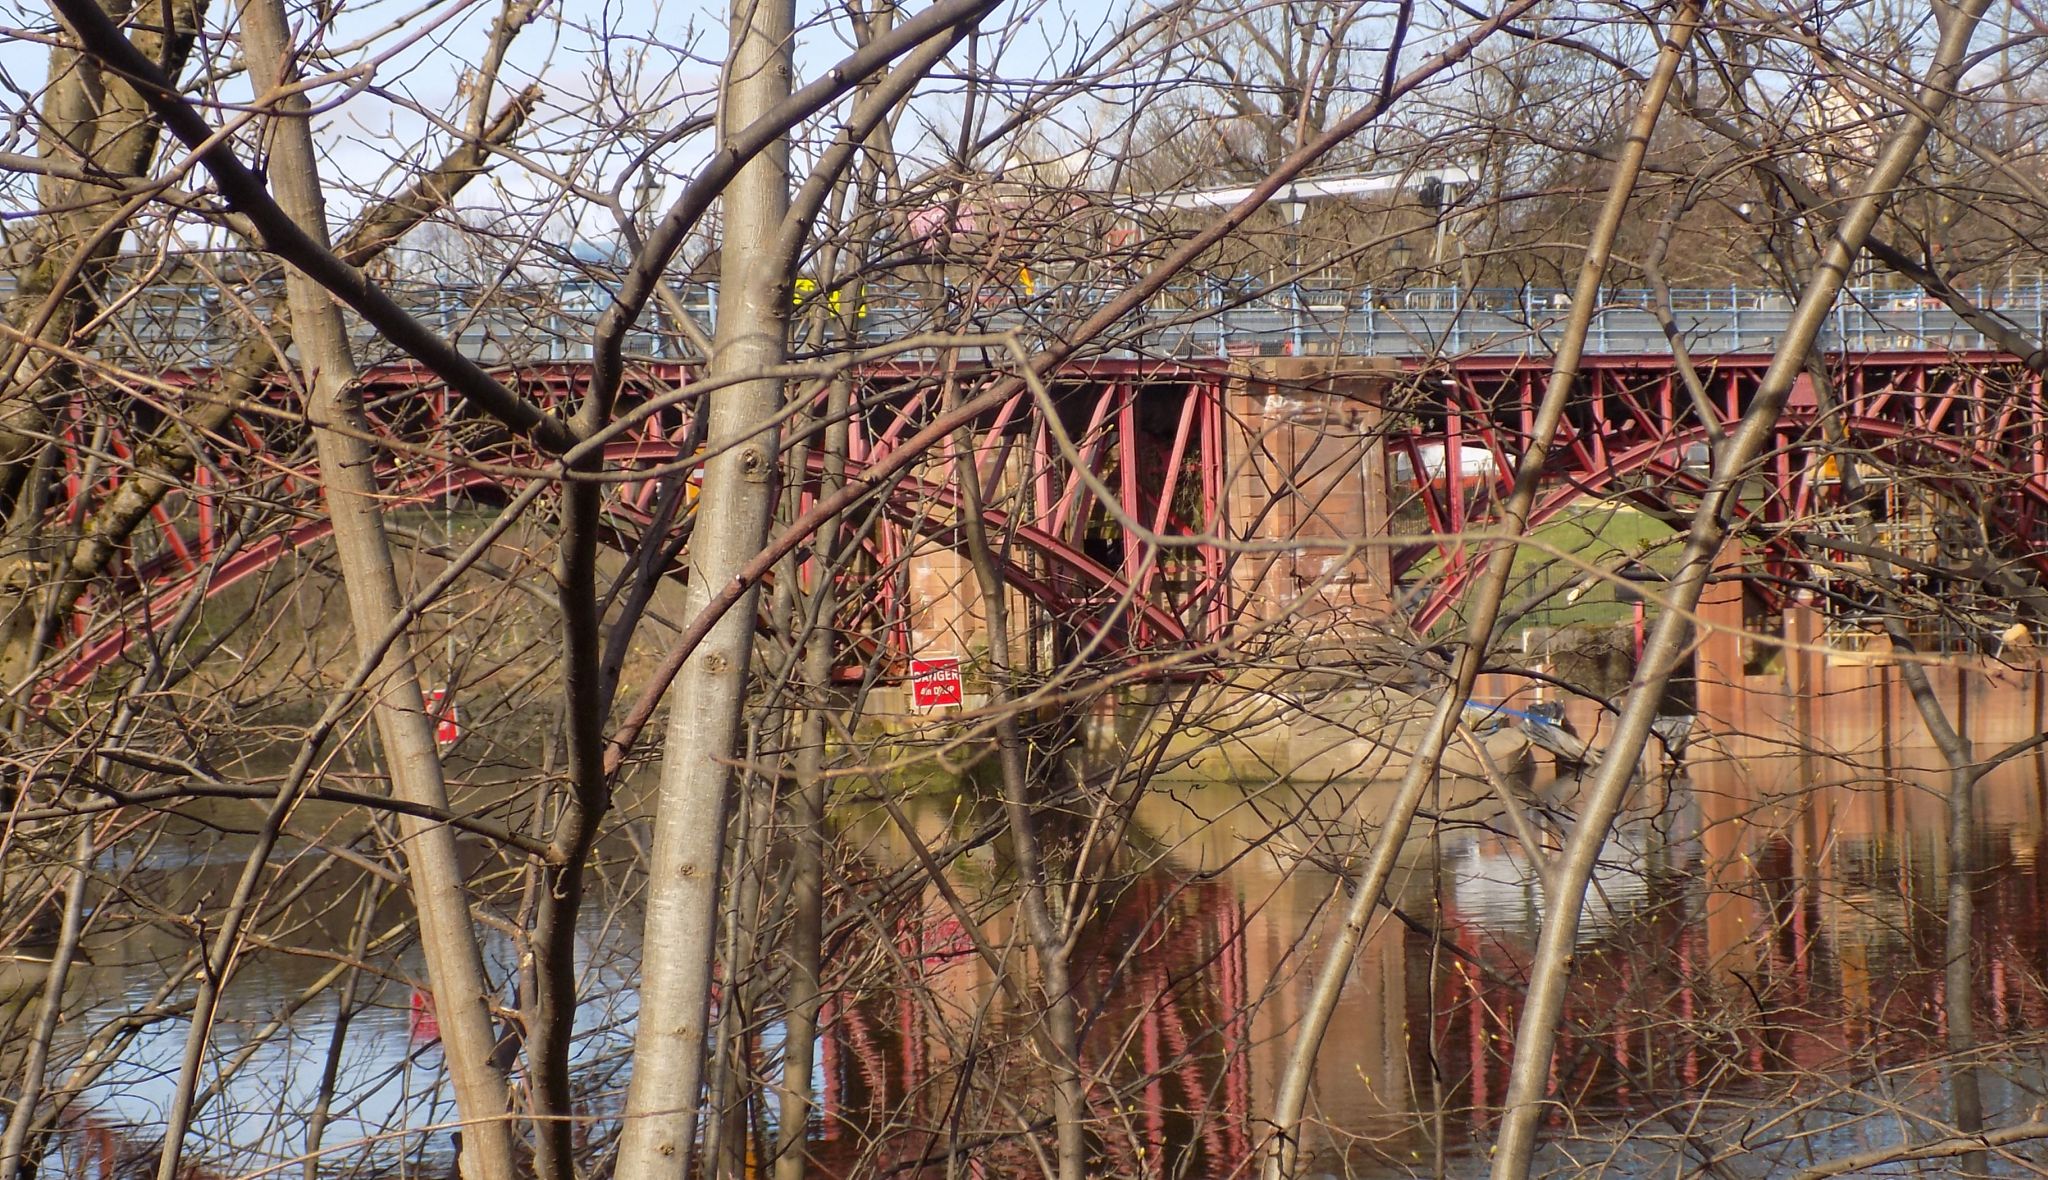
[1550, 973]
[803, 994]
[734, 511]
[1282, 1158]
[405, 729]
[803, 998]
[93, 122]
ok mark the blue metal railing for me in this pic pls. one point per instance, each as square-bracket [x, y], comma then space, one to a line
[169, 326]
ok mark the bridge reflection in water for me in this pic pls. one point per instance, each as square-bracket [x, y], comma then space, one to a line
[1766, 944]
[1760, 947]
[1162, 979]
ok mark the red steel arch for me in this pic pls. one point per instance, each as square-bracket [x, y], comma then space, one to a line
[1047, 552]
[1156, 436]
[1972, 426]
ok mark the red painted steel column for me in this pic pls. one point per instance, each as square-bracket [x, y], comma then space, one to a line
[1667, 415]
[1527, 396]
[169, 528]
[1602, 425]
[203, 503]
[859, 447]
[1454, 466]
[996, 442]
[1127, 470]
[1215, 500]
[1190, 399]
[1782, 460]
[1799, 497]
[1089, 445]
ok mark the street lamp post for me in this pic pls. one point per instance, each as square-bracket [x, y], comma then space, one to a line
[1401, 256]
[1296, 210]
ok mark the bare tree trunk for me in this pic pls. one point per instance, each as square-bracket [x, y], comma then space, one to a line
[734, 511]
[1049, 935]
[21, 1120]
[1966, 1100]
[1550, 972]
[802, 994]
[1292, 1097]
[94, 124]
[406, 731]
[730, 1091]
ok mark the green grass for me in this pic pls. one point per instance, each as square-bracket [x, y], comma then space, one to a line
[1561, 553]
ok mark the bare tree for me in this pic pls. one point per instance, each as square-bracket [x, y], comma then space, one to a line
[773, 381]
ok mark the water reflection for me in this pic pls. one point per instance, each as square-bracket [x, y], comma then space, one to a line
[1494, 886]
[1765, 942]
[1166, 994]
[1753, 948]
[284, 1015]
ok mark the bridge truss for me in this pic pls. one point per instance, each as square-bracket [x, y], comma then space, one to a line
[1142, 509]
[1062, 472]
[1953, 446]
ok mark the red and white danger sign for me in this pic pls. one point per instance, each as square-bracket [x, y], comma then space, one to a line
[935, 682]
[447, 721]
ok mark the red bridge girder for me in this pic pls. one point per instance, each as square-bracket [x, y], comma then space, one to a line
[1972, 426]
[1152, 436]
[1050, 524]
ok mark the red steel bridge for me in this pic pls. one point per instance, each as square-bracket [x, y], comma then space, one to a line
[1141, 506]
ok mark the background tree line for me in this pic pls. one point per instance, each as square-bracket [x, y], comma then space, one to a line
[359, 360]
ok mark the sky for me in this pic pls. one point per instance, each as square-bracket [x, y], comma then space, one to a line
[616, 75]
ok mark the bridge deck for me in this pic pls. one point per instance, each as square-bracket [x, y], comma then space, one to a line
[1153, 506]
[173, 326]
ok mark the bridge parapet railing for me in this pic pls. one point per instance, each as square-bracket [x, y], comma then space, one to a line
[186, 325]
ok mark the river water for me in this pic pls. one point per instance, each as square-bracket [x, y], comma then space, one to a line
[1759, 984]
